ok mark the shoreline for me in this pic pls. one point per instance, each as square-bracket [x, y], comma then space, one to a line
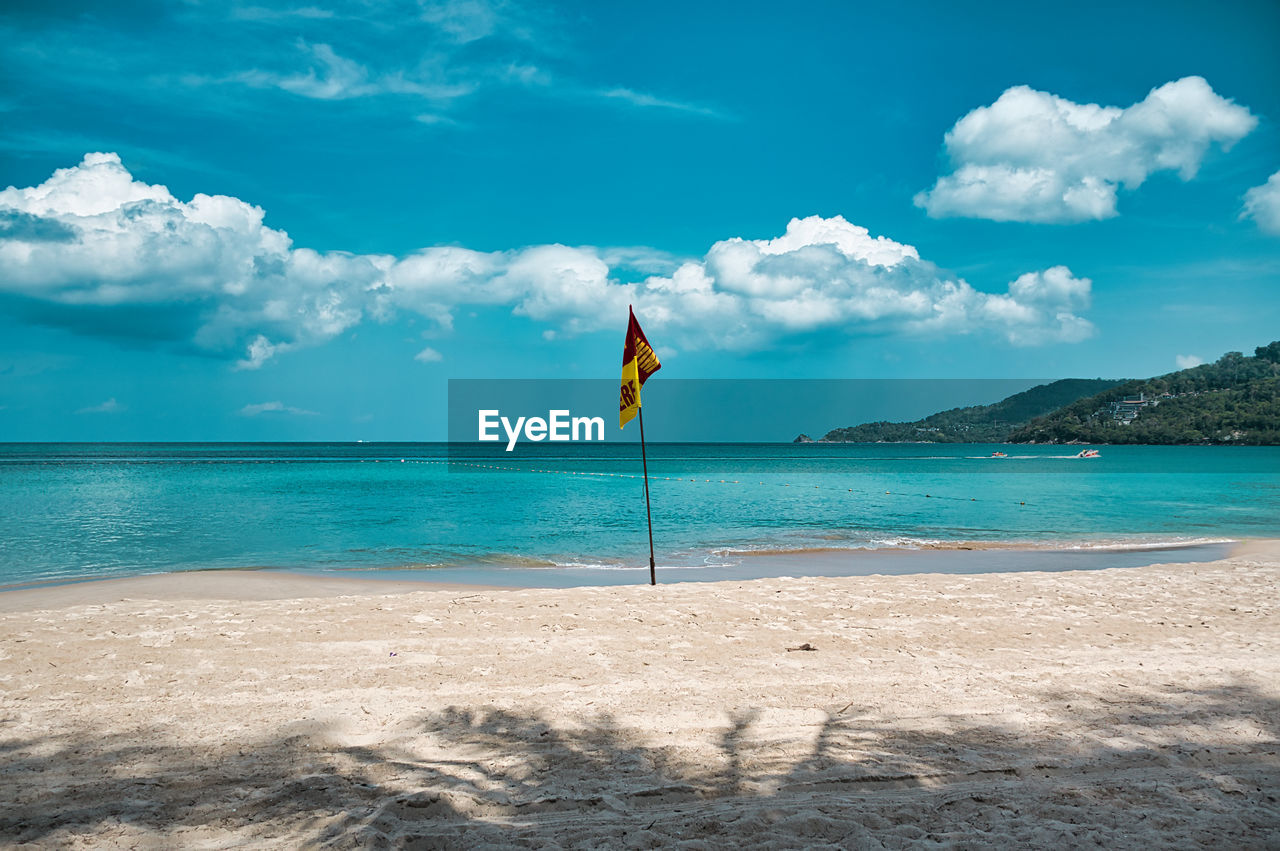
[1052, 545]
[206, 585]
[275, 584]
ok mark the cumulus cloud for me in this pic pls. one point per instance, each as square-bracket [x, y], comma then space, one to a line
[1035, 157]
[276, 407]
[1188, 361]
[99, 252]
[260, 350]
[428, 355]
[1262, 204]
[211, 273]
[831, 274]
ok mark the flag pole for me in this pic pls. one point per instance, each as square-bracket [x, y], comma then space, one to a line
[653, 571]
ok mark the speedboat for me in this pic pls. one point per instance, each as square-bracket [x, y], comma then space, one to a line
[1088, 453]
[999, 455]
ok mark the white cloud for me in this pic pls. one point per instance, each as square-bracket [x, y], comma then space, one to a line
[635, 98]
[274, 408]
[220, 280]
[99, 184]
[464, 21]
[263, 13]
[640, 258]
[831, 274]
[1262, 204]
[329, 76]
[418, 59]
[260, 350]
[435, 120]
[111, 406]
[102, 251]
[428, 355]
[1188, 361]
[520, 42]
[1035, 157]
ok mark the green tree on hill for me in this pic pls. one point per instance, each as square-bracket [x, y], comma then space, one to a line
[974, 424]
[1235, 400]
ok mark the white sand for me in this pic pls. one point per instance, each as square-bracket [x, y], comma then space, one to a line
[1126, 708]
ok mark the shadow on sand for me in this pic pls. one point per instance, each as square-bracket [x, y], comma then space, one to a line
[1142, 775]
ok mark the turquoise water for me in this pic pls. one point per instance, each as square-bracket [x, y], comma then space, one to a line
[96, 510]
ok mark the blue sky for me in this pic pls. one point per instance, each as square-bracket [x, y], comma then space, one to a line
[293, 221]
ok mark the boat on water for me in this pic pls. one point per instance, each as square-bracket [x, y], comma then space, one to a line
[1088, 453]
[999, 455]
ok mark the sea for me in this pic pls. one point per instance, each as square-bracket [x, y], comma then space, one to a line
[575, 514]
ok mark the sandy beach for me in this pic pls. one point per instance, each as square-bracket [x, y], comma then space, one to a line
[1117, 708]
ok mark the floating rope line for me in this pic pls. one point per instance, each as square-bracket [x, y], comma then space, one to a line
[504, 468]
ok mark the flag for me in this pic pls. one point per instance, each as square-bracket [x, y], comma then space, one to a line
[638, 363]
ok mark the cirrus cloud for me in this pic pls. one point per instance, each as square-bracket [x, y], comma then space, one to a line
[99, 252]
[1035, 157]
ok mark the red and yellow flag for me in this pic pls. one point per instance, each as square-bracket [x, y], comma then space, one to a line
[638, 363]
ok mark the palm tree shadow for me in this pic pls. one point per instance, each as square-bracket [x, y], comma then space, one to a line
[1146, 772]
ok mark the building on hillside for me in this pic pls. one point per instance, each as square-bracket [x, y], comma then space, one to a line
[1127, 409]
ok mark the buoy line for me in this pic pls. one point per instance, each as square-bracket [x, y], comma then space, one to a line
[695, 480]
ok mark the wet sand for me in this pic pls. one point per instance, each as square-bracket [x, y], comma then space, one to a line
[206, 585]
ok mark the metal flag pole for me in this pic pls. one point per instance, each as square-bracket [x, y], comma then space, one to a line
[653, 571]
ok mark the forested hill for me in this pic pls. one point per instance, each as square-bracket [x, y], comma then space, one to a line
[979, 423]
[1233, 401]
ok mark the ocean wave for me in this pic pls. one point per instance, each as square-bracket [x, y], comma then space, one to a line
[908, 543]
